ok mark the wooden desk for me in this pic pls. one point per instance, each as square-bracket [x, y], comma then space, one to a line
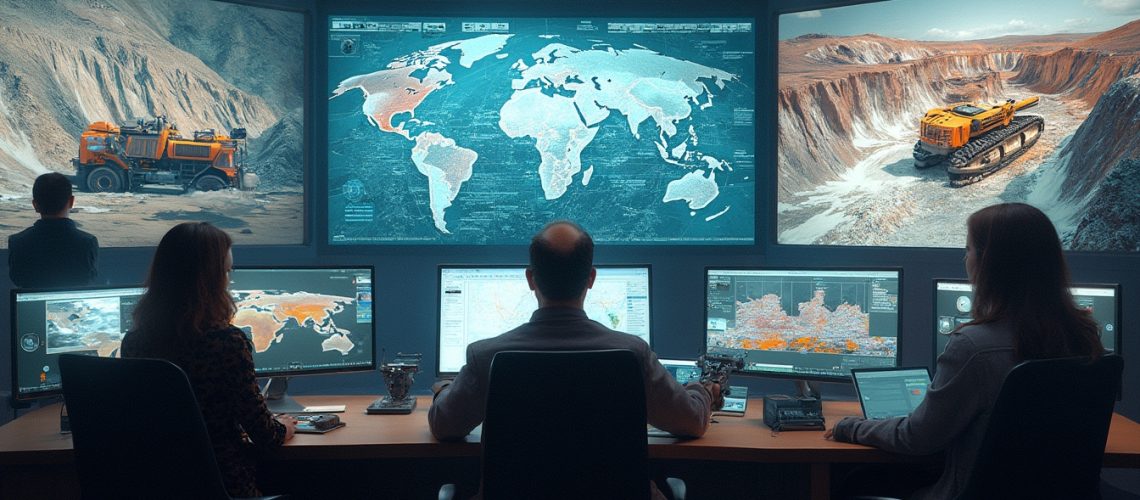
[33, 441]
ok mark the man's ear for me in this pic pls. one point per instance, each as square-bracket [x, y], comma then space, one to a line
[593, 276]
[36, 206]
[530, 278]
[70, 203]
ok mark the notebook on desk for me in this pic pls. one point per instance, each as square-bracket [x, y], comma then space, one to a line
[890, 392]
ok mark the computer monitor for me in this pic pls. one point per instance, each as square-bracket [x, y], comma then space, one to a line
[807, 324]
[480, 302]
[953, 301]
[47, 323]
[305, 320]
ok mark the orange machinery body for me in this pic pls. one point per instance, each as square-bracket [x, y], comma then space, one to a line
[948, 128]
[155, 154]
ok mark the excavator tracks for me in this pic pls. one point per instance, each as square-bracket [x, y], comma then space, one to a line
[989, 153]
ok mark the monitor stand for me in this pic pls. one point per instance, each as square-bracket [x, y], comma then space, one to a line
[278, 402]
[807, 389]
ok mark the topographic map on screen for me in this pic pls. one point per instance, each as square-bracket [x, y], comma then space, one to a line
[451, 131]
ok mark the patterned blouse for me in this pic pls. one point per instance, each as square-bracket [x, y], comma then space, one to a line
[220, 369]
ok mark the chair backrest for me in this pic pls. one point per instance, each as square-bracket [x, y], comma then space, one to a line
[567, 424]
[1046, 435]
[137, 430]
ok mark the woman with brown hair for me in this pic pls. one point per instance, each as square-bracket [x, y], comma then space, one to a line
[1022, 310]
[184, 317]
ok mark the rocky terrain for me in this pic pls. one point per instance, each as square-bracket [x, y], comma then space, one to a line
[66, 63]
[848, 120]
[1091, 187]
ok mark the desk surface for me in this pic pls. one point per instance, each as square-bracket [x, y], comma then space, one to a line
[35, 439]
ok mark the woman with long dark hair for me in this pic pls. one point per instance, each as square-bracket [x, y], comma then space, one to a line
[1022, 310]
[184, 317]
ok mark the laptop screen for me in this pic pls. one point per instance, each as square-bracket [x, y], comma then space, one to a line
[889, 393]
[684, 371]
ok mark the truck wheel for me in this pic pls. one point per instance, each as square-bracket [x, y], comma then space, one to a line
[104, 180]
[209, 182]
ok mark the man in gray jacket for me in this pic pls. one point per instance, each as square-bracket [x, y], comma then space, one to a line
[561, 272]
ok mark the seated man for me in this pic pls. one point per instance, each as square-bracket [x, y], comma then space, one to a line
[53, 252]
[561, 271]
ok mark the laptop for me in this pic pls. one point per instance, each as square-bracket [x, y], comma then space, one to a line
[685, 371]
[890, 392]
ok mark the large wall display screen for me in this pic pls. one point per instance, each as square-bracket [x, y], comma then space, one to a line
[159, 112]
[898, 119]
[480, 130]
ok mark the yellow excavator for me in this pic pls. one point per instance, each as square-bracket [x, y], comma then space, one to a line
[976, 139]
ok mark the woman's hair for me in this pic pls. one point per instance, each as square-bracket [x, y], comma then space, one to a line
[187, 288]
[1019, 274]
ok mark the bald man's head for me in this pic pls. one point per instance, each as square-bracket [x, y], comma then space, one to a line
[561, 258]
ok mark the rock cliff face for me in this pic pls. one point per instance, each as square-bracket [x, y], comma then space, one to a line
[1083, 73]
[275, 154]
[822, 124]
[1109, 135]
[1112, 219]
[64, 64]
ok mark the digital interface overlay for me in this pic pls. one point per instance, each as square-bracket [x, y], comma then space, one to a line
[477, 303]
[47, 324]
[479, 131]
[305, 320]
[953, 302]
[809, 324]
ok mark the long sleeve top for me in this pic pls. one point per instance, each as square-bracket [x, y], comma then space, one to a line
[460, 407]
[953, 416]
[220, 368]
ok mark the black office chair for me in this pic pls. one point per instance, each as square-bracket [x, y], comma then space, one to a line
[1047, 431]
[137, 430]
[567, 424]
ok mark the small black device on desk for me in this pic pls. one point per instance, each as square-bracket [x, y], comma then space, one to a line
[319, 423]
[793, 413]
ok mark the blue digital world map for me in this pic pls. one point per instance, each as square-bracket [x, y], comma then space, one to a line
[452, 131]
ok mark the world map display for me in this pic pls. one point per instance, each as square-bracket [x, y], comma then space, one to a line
[297, 330]
[461, 132]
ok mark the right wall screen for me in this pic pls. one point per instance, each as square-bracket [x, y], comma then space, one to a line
[899, 119]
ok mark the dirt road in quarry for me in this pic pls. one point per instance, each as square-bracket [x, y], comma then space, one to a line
[140, 219]
[885, 201]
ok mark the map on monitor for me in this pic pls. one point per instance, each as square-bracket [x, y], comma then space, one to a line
[306, 320]
[479, 131]
[480, 302]
[804, 323]
[48, 323]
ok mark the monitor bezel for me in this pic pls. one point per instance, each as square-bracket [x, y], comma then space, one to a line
[1117, 337]
[439, 299]
[809, 377]
[323, 371]
[16, 395]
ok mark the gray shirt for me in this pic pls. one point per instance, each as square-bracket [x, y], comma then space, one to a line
[681, 410]
[953, 416]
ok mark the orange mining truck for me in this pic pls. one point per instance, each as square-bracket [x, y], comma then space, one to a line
[124, 158]
[976, 139]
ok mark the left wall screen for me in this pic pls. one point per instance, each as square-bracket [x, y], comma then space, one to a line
[145, 105]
